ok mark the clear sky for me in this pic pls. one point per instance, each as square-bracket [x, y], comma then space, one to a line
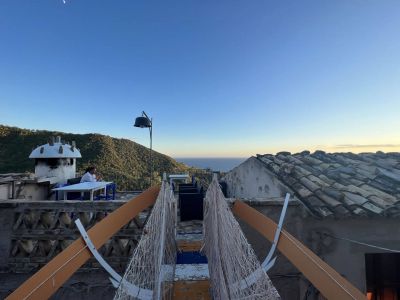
[220, 78]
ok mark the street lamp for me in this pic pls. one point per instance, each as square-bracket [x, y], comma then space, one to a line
[145, 122]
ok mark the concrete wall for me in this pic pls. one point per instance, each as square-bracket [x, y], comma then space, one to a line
[346, 257]
[5, 191]
[83, 285]
[33, 232]
[251, 180]
[24, 190]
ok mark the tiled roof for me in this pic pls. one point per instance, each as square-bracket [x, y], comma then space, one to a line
[341, 184]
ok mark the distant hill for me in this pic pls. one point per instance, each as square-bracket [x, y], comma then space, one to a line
[119, 160]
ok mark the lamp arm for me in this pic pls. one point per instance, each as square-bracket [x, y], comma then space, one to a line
[151, 145]
[144, 114]
[151, 151]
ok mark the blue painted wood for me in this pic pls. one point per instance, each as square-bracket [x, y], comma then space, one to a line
[194, 257]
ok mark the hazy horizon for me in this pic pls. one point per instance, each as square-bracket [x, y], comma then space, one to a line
[338, 148]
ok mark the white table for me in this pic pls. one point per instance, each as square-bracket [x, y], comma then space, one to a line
[82, 187]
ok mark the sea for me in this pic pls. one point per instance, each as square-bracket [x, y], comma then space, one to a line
[224, 164]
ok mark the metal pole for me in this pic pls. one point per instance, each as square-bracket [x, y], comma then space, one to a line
[151, 146]
[151, 151]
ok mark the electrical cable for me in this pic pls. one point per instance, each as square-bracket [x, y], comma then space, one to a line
[360, 243]
[345, 289]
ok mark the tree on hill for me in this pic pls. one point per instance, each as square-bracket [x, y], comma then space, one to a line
[120, 160]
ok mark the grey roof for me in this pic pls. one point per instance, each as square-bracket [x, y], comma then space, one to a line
[341, 184]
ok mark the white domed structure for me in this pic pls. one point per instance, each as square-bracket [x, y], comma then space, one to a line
[56, 160]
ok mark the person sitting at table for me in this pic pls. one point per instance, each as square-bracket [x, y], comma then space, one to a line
[90, 175]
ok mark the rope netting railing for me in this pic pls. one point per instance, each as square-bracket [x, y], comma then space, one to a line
[150, 273]
[235, 271]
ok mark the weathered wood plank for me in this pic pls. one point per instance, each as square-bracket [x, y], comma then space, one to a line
[189, 246]
[192, 290]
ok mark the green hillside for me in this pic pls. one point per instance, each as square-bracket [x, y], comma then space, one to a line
[119, 160]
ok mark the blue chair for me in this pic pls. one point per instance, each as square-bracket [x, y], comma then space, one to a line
[110, 192]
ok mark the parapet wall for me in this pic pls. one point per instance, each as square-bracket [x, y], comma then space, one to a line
[33, 232]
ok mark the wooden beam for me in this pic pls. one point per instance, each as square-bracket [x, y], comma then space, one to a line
[189, 246]
[192, 289]
[54, 274]
[330, 283]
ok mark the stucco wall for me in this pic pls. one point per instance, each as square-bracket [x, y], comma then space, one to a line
[63, 171]
[349, 258]
[25, 190]
[346, 258]
[251, 180]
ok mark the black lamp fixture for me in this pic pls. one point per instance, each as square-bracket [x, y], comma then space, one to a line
[145, 122]
[142, 122]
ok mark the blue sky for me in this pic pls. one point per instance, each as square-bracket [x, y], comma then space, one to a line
[220, 78]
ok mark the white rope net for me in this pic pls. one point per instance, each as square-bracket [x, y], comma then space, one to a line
[150, 273]
[235, 271]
